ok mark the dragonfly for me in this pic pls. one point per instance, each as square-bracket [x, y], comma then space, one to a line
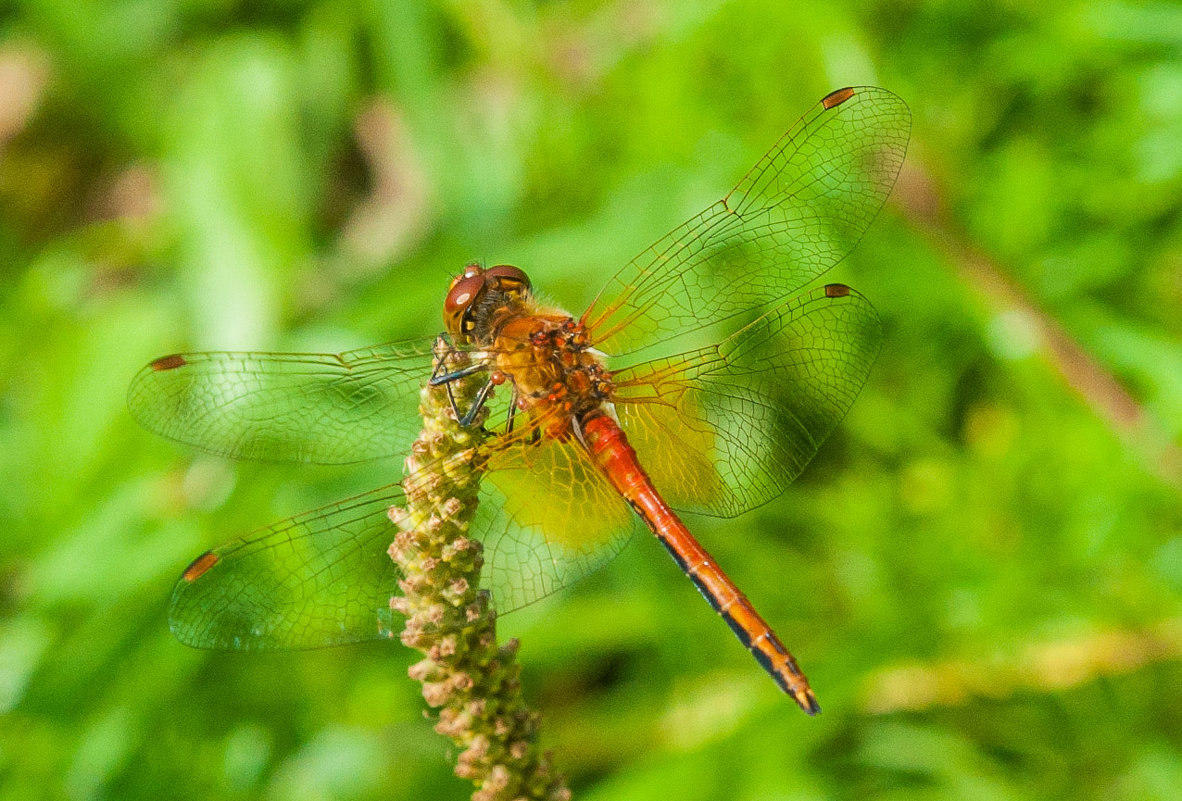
[702, 378]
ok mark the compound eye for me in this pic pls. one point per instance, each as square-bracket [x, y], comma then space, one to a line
[509, 278]
[463, 293]
[470, 270]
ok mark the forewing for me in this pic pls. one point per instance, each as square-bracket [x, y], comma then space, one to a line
[799, 211]
[724, 429]
[300, 407]
[319, 578]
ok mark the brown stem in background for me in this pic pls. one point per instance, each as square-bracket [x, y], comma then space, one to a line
[472, 681]
[1041, 666]
[924, 206]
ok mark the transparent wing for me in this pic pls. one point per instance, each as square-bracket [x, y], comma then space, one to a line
[726, 428]
[324, 577]
[300, 407]
[547, 517]
[319, 578]
[799, 211]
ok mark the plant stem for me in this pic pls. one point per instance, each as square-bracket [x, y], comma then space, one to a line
[473, 682]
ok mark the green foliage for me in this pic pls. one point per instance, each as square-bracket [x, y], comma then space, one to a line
[980, 572]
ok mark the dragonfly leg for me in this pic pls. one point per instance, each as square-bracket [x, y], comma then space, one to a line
[444, 350]
[512, 412]
[477, 403]
[447, 378]
[439, 377]
[535, 434]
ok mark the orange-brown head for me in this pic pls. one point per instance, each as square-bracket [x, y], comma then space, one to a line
[477, 293]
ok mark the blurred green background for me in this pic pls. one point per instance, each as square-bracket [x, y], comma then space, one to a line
[981, 572]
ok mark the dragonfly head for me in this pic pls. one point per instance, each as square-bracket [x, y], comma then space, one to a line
[477, 293]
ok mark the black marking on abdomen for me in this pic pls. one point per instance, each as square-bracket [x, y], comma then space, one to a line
[740, 632]
[702, 588]
[780, 649]
[676, 556]
[766, 661]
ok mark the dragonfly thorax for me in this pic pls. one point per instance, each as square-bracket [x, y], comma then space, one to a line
[557, 376]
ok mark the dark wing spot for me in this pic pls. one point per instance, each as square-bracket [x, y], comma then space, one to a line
[169, 362]
[836, 290]
[198, 567]
[837, 97]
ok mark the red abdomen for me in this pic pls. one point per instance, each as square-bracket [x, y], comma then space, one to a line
[613, 455]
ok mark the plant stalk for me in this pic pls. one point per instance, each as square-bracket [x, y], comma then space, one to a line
[473, 682]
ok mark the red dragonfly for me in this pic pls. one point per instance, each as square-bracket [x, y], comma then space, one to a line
[603, 430]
